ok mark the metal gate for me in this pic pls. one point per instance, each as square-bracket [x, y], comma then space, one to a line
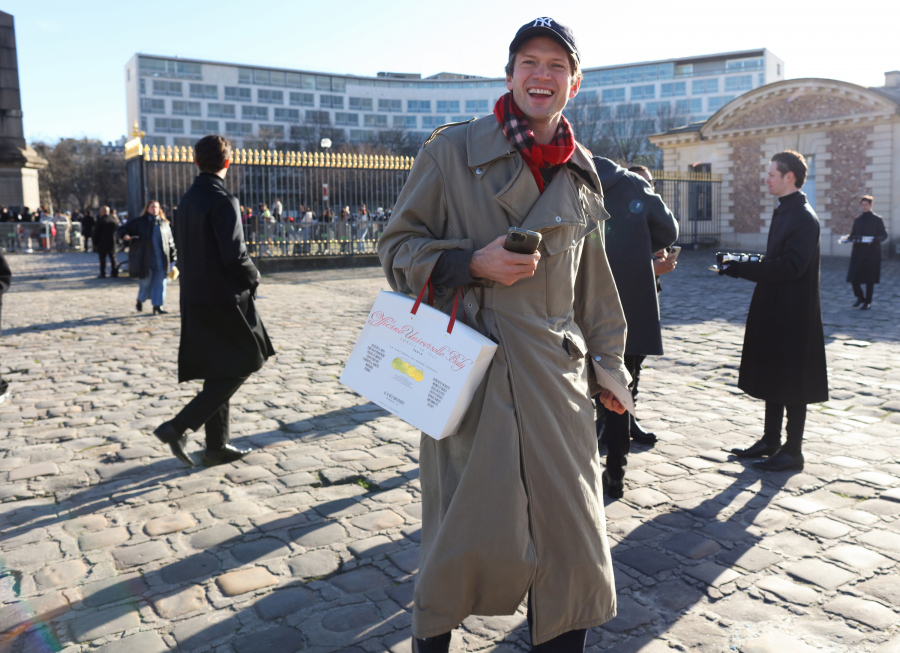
[318, 183]
[694, 198]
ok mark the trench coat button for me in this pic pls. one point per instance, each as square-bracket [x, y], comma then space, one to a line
[478, 171]
[558, 219]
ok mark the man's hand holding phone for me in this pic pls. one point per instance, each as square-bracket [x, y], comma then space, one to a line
[500, 265]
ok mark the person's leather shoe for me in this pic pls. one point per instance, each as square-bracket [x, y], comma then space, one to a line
[781, 462]
[865, 306]
[757, 450]
[157, 310]
[139, 306]
[614, 489]
[639, 435]
[859, 302]
[228, 454]
[439, 644]
[177, 441]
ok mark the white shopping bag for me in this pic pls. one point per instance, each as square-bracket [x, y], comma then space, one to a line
[418, 363]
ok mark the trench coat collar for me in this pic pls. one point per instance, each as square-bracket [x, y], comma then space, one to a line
[486, 142]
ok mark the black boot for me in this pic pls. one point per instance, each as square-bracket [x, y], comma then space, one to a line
[865, 306]
[781, 462]
[227, 454]
[139, 306]
[757, 450]
[859, 302]
[439, 644]
[614, 489]
[639, 435]
[157, 310]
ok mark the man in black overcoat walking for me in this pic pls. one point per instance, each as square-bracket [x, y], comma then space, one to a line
[640, 224]
[783, 362]
[865, 259]
[223, 340]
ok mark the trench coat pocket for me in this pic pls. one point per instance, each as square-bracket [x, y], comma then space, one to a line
[574, 345]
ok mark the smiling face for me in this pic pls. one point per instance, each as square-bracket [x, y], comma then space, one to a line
[542, 82]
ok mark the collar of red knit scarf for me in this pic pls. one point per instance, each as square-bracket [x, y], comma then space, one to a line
[520, 135]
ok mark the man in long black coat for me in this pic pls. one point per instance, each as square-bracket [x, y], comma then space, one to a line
[5, 279]
[783, 361]
[865, 259]
[223, 340]
[640, 224]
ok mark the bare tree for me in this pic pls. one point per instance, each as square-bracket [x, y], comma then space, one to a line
[586, 114]
[627, 133]
[82, 173]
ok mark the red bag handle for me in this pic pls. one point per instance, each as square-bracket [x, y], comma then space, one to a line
[430, 288]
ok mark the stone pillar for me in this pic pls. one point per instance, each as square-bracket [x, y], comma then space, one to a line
[19, 163]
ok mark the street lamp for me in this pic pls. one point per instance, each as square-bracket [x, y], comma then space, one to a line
[325, 143]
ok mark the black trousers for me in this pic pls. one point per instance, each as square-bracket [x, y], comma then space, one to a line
[796, 421]
[210, 408]
[858, 291]
[114, 271]
[617, 432]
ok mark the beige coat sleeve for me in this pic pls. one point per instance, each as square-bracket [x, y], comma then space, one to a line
[414, 238]
[598, 310]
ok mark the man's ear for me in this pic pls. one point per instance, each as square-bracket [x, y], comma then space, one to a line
[509, 83]
[573, 90]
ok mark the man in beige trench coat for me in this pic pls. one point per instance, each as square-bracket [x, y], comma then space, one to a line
[512, 504]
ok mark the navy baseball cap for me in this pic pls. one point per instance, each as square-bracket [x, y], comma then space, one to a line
[546, 27]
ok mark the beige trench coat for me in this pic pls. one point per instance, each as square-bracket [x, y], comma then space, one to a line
[513, 501]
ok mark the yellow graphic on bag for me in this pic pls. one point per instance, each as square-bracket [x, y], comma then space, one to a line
[405, 368]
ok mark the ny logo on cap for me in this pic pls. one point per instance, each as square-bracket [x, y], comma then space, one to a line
[543, 22]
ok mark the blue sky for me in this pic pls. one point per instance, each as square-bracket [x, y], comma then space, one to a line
[72, 54]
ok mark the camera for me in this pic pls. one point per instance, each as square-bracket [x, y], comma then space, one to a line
[517, 237]
[729, 257]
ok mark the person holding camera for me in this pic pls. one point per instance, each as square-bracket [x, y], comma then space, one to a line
[223, 340]
[783, 360]
[640, 224]
[512, 504]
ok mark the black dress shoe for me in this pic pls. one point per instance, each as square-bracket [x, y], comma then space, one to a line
[139, 306]
[228, 454]
[614, 489]
[439, 644]
[757, 450]
[176, 439]
[639, 435]
[859, 302]
[865, 306]
[157, 310]
[781, 462]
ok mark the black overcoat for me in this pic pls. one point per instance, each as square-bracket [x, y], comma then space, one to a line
[865, 259]
[140, 248]
[783, 360]
[640, 224]
[222, 336]
[104, 236]
[5, 278]
[87, 226]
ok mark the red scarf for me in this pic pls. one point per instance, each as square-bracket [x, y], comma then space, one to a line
[518, 132]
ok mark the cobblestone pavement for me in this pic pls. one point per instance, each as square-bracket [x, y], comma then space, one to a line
[109, 544]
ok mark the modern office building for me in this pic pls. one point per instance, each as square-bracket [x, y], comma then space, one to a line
[175, 101]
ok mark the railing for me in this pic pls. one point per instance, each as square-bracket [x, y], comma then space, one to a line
[29, 237]
[694, 198]
[303, 182]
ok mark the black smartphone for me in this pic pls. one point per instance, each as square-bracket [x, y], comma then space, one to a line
[522, 241]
